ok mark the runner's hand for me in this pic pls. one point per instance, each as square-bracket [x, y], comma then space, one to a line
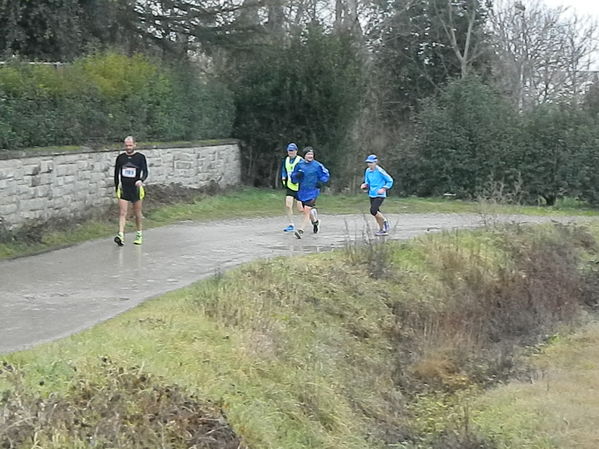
[139, 183]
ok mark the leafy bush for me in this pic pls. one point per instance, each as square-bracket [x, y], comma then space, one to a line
[286, 93]
[470, 138]
[208, 109]
[559, 157]
[105, 97]
[466, 138]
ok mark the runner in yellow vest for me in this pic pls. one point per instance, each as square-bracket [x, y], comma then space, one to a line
[291, 188]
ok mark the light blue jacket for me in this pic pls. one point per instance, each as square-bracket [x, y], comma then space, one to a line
[376, 180]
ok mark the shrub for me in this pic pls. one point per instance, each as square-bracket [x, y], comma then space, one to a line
[465, 138]
[104, 97]
[285, 92]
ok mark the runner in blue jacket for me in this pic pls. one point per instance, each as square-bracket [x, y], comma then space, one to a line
[377, 181]
[310, 174]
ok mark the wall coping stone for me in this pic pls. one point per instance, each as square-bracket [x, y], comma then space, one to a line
[108, 148]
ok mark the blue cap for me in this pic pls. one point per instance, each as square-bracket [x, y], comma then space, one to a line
[292, 147]
[371, 158]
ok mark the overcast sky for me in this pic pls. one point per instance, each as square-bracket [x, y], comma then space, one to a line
[590, 7]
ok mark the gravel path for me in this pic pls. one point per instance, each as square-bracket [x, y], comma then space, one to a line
[58, 293]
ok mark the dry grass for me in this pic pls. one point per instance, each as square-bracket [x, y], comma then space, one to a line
[557, 409]
[124, 408]
[493, 295]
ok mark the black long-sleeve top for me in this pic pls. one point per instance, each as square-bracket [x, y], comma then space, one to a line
[129, 169]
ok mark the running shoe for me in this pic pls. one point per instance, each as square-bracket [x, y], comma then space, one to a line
[299, 233]
[289, 228]
[315, 226]
[138, 238]
[386, 226]
[119, 239]
[381, 233]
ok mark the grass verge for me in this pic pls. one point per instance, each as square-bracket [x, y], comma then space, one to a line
[557, 407]
[378, 346]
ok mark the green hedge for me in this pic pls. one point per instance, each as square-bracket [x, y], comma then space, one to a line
[103, 98]
[469, 141]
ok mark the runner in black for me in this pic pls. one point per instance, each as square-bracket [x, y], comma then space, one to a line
[130, 171]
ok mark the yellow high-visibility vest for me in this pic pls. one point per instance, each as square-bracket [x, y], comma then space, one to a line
[289, 166]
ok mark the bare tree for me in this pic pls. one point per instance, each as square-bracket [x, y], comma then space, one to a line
[347, 16]
[543, 54]
[580, 46]
[468, 45]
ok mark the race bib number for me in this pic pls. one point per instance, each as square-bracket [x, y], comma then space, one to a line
[128, 172]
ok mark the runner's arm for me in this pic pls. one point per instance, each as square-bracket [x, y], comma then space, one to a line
[117, 169]
[365, 184]
[388, 179]
[144, 169]
[324, 174]
[284, 174]
[297, 174]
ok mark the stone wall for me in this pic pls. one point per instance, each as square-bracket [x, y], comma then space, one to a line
[37, 188]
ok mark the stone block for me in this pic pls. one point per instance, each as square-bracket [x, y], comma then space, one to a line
[9, 192]
[24, 190]
[43, 191]
[32, 168]
[184, 156]
[66, 169]
[179, 165]
[83, 164]
[7, 172]
[47, 166]
[33, 204]
[8, 209]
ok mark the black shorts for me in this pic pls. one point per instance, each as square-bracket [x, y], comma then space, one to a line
[375, 204]
[309, 203]
[130, 193]
[289, 192]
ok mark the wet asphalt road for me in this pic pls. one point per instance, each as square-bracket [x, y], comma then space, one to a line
[58, 293]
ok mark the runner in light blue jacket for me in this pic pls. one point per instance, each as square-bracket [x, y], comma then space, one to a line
[377, 181]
